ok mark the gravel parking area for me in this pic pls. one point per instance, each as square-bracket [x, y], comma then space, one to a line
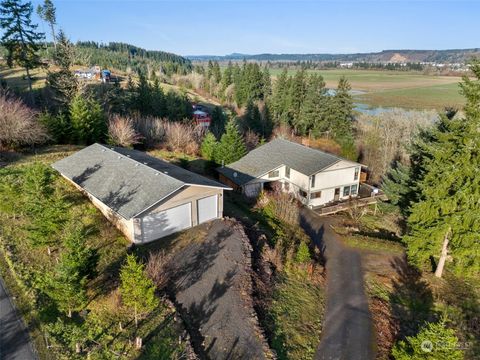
[212, 289]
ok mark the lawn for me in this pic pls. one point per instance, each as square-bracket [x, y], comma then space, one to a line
[24, 265]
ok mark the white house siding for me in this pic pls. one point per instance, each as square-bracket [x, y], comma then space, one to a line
[339, 175]
[281, 174]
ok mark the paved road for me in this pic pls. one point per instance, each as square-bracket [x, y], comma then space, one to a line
[14, 339]
[348, 329]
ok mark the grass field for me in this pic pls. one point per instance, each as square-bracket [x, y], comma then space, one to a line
[377, 88]
[396, 89]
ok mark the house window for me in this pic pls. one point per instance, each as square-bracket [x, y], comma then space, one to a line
[302, 193]
[357, 170]
[346, 191]
[287, 172]
[354, 190]
[316, 195]
[274, 174]
[313, 181]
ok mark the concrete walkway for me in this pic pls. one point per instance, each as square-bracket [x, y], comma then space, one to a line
[348, 330]
[14, 339]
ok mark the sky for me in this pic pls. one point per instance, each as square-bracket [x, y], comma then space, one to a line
[268, 26]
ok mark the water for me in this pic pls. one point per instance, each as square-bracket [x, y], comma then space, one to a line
[369, 110]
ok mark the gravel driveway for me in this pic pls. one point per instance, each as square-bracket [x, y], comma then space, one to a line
[213, 294]
[348, 329]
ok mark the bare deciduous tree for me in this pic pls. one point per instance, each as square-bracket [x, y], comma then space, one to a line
[384, 138]
[159, 268]
[18, 123]
[122, 132]
[181, 137]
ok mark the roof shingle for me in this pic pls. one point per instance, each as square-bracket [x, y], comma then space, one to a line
[276, 153]
[127, 181]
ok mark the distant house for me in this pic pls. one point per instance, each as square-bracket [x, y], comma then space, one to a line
[202, 118]
[145, 197]
[314, 176]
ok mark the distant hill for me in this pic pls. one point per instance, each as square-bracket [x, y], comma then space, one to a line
[412, 56]
[122, 56]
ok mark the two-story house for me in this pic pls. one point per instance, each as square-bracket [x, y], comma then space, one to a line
[314, 176]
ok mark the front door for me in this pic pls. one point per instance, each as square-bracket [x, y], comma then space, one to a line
[337, 194]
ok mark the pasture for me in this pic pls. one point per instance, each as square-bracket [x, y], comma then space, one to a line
[411, 90]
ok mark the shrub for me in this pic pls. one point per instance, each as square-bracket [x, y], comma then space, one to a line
[58, 126]
[18, 123]
[158, 269]
[181, 137]
[303, 254]
[151, 129]
[121, 131]
[434, 341]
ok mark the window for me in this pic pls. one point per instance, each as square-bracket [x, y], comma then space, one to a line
[316, 195]
[302, 193]
[287, 172]
[313, 181]
[273, 174]
[354, 190]
[357, 170]
[346, 191]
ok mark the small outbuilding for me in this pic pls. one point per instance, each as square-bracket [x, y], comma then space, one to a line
[145, 197]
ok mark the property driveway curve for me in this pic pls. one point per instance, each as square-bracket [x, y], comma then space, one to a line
[348, 330]
[212, 289]
[14, 339]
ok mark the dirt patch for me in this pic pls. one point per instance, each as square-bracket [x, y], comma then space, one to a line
[212, 288]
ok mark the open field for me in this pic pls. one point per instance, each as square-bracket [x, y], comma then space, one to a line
[397, 89]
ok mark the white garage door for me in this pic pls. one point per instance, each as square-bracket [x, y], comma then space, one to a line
[207, 209]
[166, 222]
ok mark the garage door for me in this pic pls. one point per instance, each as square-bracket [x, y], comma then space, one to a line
[166, 222]
[207, 209]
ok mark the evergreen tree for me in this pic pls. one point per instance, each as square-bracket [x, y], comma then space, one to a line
[398, 187]
[444, 222]
[20, 36]
[296, 97]
[227, 78]
[266, 83]
[218, 121]
[79, 256]
[63, 83]
[137, 290]
[68, 285]
[47, 13]
[310, 118]
[87, 119]
[208, 147]
[231, 146]
[253, 119]
[158, 99]
[280, 99]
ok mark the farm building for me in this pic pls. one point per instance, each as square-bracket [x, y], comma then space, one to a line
[145, 197]
[314, 176]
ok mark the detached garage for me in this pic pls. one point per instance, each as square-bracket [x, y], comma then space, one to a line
[145, 197]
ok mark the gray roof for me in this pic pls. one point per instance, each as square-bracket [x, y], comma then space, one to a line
[127, 181]
[277, 153]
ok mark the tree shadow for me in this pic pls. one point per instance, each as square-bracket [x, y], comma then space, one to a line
[411, 299]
